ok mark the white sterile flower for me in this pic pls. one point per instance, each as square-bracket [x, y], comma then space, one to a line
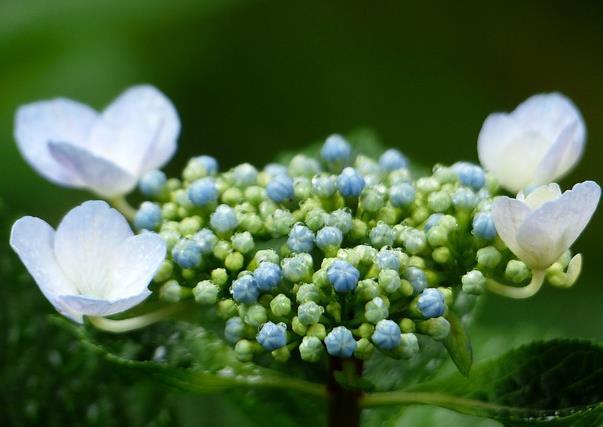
[539, 227]
[72, 145]
[93, 264]
[537, 143]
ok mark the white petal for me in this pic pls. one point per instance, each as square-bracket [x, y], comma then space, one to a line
[85, 244]
[59, 120]
[508, 215]
[98, 174]
[551, 229]
[32, 239]
[550, 165]
[91, 306]
[509, 152]
[541, 195]
[138, 131]
[135, 263]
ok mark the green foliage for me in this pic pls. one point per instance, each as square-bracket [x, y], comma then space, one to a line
[557, 383]
[458, 344]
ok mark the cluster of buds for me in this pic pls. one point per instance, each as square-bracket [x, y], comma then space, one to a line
[340, 255]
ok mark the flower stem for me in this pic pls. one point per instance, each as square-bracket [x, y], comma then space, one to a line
[121, 204]
[344, 409]
[518, 293]
[134, 323]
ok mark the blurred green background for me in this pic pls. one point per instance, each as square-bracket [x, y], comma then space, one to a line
[251, 78]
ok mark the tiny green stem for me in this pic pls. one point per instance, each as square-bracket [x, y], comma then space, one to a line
[518, 293]
[121, 204]
[134, 323]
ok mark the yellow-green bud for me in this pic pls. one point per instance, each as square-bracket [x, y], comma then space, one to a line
[189, 226]
[244, 350]
[473, 282]
[311, 349]
[359, 229]
[165, 271]
[375, 310]
[298, 327]
[281, 354]
[206, 292]
[437, 236]
[280, 305]
[232, 196]
[437, 328]
[516, 271]
[334, 309]
[441, 255]
[367, 289]
[439, 201]
[171, 291]
[307, 292]
[488, 257]
[221, 249]
[407, 325]
[364, 349]
[169, 211]
[234, 261]
[219, 276]
[317, 330]
[365, 330]
[227, 308]
[389, 281]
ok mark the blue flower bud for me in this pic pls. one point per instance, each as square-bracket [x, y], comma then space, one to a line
[431, 303]
[402, 194]
[350, 183]
[280, 188]
[324, 186]
[209, 164]
[392, 159]
[340, 342]
[336, 149]
[275, 169]
[203, 191]
[329, 238]
[244, 175]
[464, 198]
[187, 253]
[382, 235]
[152, 183]
[340, 218]
[206, 240]
[224, 219]
[470, 175]
[268, 276]
[387, 335]
[343, 276]
[272, 336]
[233, 330]
[417, 279]
[148, 216]
[483, 226]
[388, 260]
[301, 239]
[245, 289]
[309, 313]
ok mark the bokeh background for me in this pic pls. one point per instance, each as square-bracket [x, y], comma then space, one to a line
[252, 78]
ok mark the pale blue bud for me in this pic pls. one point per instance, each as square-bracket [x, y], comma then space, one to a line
[431, 303]
[203, 191]
[417, 279]
[432, 221]
[209, 164]
[245, 289]
[336, 149]
[244, 175]
[382, 235]
[275, 169]
[224, 219]
[343, 276]
[470, 175]
[152, 183]
[187, 253]
[206, 240]
[350, 183]
[324, 186]
[301, 239]
[280, 188]
[148, 217]
[392, 159]
[329, 238]
[388, 259]
[272, 336]
[387, 335]
[464, 198]
[268, 276]
[233, 330]
[483, 226]
[340, 342]
[402, 194]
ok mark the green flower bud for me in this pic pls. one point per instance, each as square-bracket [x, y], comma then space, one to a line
[242, 242]
[244, 350]
[439, 201]
[399, 176]
[437, 236]
[169, 211]
[309, 313]
[366, 254]
[255, 315]
[298, 268]
[165, 271]
[359, 229]
[365, 330]
[364, 349]
[267, 208]
[251, 222]
[427, 184]
[298, 327]
[367, 289]
[219, 276]
[334, 310]
[388, 215]
[517, 271]
[171, 238]
[281, 354]
[234, 261]
[349, 255]
[406, 288]
[280, 305]
[267, 255]
[474, 282]
[320, 279]
[375, 310]
[373, 198]
[311, 349]
[307, 292]
[420, 214]
[317, 330]
[389, 281]
[255, 194]
[280, 222]
[302, 188]
[227, 308]
[171, 291]
[407, 325]
[488, 257]
[437, 328]
[448, 295]
[222, 249]
[414, 241]
[205, 292]
[409, 346]
[442, 255]
[315, 219]
[448, 222]
[444, 174]
[232, 196]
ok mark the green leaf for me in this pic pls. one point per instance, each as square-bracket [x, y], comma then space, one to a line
[547, 383]
[458, 344]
